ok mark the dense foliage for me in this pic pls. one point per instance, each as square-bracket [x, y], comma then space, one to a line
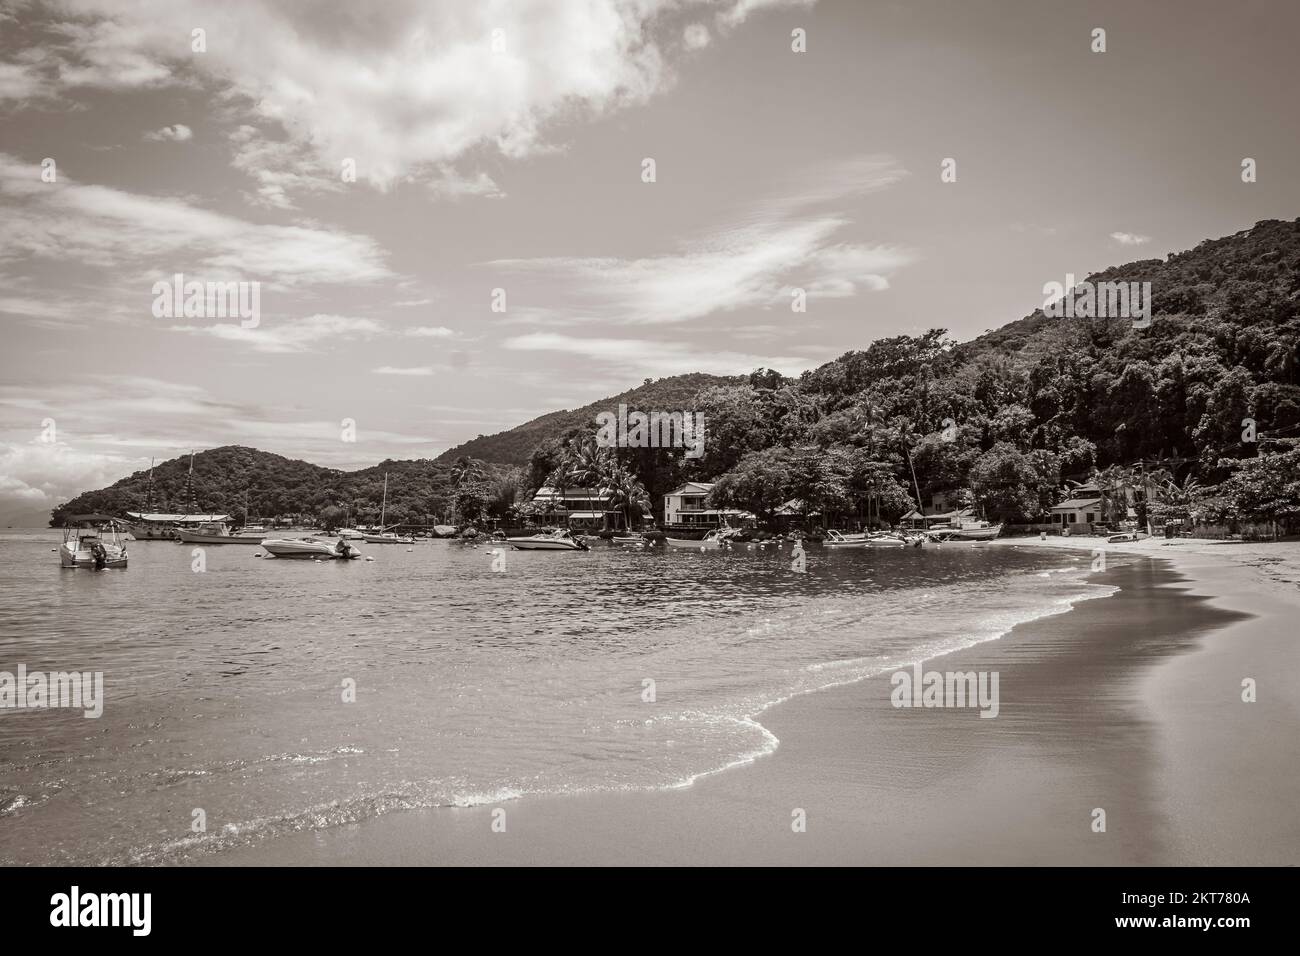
[1195, 415]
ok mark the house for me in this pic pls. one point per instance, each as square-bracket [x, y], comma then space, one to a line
[1077, 512]
[687, 508]
[581, 509]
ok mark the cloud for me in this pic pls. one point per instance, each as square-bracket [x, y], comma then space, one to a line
[651, 357]
[112, 229]
[177, 133]
[408, 89]
[696, 36]
[1130, 239]
[298, 335]
[423, 370]
[430, 332]
[782, 243]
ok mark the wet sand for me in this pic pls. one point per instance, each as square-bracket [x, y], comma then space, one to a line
[1129, 703]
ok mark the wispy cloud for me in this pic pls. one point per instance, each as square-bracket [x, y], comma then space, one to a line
[783, 243]
[1130, 238]
[113, 229]
[297, 335]
[176, 133]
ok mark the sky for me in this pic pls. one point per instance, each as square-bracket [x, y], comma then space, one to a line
[445, 211]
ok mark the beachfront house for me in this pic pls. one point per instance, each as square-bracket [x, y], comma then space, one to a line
[1078, 514]
[579, 509]
[687, 507]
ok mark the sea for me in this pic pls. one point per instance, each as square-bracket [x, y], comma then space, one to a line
[247, 697]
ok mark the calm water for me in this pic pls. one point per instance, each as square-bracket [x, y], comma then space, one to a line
[224, 688]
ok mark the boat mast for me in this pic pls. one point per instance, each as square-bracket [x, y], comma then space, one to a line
[383, 508]
[189, 488]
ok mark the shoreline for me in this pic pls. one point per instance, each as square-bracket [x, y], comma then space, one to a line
[1130, 703]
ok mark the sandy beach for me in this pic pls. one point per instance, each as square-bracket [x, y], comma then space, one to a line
[1129, 703]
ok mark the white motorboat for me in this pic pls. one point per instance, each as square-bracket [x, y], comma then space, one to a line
[350, 534]
[218, 532]
[86, 546]
[548, 541]
[309, 547]
[710, 542]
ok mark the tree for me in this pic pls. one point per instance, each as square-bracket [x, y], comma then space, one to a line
[1005, 483]
[760, 482]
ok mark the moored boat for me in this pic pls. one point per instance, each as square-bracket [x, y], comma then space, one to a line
[710, 542]
[548, 541]
[85, 545]
[309, 547]
[218, 532]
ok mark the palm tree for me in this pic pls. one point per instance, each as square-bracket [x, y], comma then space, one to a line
[465, 470]
[626, 491]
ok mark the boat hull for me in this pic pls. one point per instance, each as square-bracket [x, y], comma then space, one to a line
[200, 537]
[68, 558]
[705, 544]
[301, 548]
[531, 544]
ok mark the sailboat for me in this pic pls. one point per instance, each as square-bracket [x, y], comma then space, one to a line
[386, 537]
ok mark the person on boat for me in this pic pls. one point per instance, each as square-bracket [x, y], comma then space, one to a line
[100, 555]
[343, 549]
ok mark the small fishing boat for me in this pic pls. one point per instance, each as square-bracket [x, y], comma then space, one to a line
[710, 542]
[217, 532]
[981, 531]
[838, 539]
[548, 541]
[309, 547]
[1124, 537]
[93, 541]
[385, 537]
[635, 540]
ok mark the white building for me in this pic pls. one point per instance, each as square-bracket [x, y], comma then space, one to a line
[687, 508]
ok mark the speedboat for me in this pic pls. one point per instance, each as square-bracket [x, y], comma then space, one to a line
[217, 532]
[548, 541]
[309, 547]
[710, 542]
[86, 546]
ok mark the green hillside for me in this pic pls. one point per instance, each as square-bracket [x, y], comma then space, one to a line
[513, 447]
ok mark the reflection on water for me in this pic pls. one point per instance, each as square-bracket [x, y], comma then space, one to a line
[224, 689]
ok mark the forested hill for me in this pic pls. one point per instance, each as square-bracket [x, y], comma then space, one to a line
[513, 447]
[1206, 396]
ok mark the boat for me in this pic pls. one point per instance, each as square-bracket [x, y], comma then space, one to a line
[217, 532]
[386, 537]
[350, 534]
[981, 531]
[838, 539]
[309, 547]
[710, 542]
[85, 545]
[1123, 537]
[548, 541]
